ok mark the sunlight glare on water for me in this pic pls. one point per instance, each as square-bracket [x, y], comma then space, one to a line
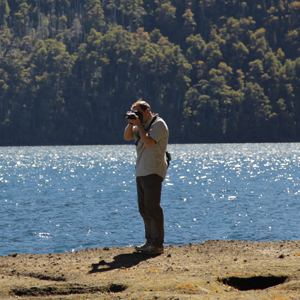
[230, 191]
[67, 198]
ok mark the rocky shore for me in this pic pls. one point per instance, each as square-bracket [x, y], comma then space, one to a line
[210, 270]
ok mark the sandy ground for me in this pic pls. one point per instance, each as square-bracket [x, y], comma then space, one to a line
[210, 270]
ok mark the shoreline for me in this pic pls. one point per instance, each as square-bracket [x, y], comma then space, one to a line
[209, 270]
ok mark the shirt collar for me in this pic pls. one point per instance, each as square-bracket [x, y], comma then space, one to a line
[148, 123]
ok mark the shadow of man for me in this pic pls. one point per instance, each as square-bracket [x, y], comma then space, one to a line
[121, 261]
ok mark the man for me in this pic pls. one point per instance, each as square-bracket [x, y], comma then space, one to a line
[151, 136]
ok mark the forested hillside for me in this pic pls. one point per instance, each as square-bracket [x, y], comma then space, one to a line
[216, 71]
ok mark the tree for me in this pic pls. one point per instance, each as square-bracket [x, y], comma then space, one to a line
[292, 38]
[255, 113]
[212, 54]
[4, 12]
[165, 17]
[215, 70]
[22, 19]
[240, 56]
[188, 25]
[76, 31]
[95, 16]
[133, 9]
[258, 44]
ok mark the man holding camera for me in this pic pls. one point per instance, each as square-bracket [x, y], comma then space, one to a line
[151, 135]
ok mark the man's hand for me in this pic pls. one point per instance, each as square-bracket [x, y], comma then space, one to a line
[137, 122]
[128, 134]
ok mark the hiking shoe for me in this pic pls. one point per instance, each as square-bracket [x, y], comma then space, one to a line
[142, 247]
[152, 250]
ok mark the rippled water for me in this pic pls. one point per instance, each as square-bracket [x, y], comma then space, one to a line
[57, 199]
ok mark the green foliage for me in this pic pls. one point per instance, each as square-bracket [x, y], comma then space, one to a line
[216, 71]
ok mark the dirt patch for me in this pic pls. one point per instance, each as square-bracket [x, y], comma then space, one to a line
[210, 270]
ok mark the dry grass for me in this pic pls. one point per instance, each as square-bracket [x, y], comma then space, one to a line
[187, 288]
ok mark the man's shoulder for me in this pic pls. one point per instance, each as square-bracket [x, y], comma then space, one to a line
[160, 120]
[159, 127]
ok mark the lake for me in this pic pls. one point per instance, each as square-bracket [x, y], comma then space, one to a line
[67, 198]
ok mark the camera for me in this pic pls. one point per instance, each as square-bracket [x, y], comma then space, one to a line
[131, 115]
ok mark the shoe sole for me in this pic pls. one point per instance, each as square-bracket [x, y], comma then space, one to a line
[152, 253]
[139, 249]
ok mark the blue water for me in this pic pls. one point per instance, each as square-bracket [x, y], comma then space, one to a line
[61, 199]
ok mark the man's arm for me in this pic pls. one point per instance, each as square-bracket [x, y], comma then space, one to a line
[148, 141]
[128, 134]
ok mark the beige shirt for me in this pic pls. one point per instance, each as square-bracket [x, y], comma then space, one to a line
[152, 160]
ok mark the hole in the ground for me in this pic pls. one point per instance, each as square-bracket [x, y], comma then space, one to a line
[67, 289]
[254, 282]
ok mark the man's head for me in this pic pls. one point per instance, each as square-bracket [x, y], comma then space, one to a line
[144, 108]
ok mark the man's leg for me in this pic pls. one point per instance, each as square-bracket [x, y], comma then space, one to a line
[152, 185]
[142, 208]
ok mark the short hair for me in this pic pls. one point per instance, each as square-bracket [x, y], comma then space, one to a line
[142, 104]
